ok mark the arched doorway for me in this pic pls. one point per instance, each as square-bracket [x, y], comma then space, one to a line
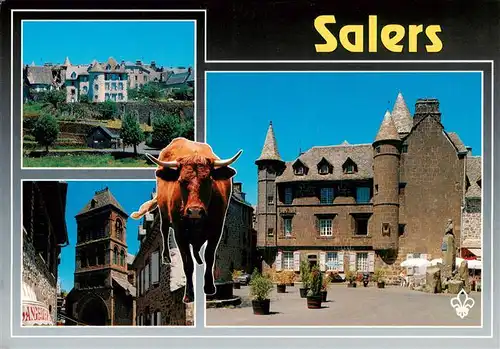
[94, 313]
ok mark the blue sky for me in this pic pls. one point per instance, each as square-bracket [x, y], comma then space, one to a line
[130, 194]
[313, 109]
[167, 43]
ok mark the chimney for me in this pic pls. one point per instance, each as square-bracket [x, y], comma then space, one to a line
[237, 187]
[469, 151]
[153, 64]
[424, 107]
[138, 62]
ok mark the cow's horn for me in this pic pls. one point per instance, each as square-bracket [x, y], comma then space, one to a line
[227, 162]
[168, 164]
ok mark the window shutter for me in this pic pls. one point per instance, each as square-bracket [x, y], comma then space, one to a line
[352, 261]
[296, 261]
[279, 261]
[322, 261]
[154, 267]
[371, 262]
[340, 257]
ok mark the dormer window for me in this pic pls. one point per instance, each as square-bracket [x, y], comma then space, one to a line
[324, 167]
[349, 167]
[108, 67]
[93, 203]
[299, 168]
[73, 75]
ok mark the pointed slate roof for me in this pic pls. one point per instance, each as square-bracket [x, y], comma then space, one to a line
[401, 115]
[270, 149]
[66, 63]
[101, 199]
[387, 129]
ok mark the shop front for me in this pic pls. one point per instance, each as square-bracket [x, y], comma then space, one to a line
[34, 313]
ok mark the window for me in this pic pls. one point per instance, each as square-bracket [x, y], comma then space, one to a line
[326, 196]
[145, 78]
[73, 75]
[135, 77]
[113, 86]
[323, 169]
[84, 89]
[402, 188]
[155, 267]
[361, 224]
[83, 259]
[362, 195]
[332, 261]
[270, 232]
[377, 150]
[146, 277]
[100, 255]
[96, 87]
[142, 281]
[119, 229]
[115, 256]
[270, 199]
[139, 283]
[362, 261]
[157, 318]
[106, 86]
[120, 85]
[325, 227]
[122, 258]
[349, 166]
[404, 148]
[288, 196]
[299, 170]
[107, 97]
[288, 260]
[288, 226]
[401, 229]
[376, 188]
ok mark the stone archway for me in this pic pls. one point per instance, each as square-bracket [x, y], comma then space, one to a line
[94, 312]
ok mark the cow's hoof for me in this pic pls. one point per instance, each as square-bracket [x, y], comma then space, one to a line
[188, 299]
[209, 289]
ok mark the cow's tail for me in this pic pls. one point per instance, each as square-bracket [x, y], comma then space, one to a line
[146, 207]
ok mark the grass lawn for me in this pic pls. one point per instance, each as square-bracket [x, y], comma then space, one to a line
[85, 160]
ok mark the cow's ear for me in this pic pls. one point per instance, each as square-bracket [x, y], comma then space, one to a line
[167, 174]
[224, 172]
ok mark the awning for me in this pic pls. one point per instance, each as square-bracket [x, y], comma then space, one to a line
[127, 286]
[34, 313]
[475, 251]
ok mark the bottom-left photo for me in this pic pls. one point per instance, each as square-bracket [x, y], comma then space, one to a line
[85, 263]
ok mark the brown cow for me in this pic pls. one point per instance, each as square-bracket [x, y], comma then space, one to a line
[193, 189]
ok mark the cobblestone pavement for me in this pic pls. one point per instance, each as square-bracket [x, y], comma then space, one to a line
[391, 306]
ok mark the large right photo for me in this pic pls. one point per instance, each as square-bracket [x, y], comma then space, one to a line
[357, 199]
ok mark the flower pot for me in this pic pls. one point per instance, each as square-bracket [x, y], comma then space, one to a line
[236, 285]
[281, 288]
[314, 302]
[303, 292]
[261, 307]
[351, 284]
[381, 284]
[323, 295]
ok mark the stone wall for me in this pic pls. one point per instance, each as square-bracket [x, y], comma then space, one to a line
[37, 275]
[472, 221]
[235, 247]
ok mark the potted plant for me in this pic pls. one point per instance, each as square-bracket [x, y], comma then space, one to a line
[324, 287]
[260, 287]
[314, 293]
[281, 279]
[379, 278]
[236, 281]
[351, 278]
[290, 278]
[305, 271]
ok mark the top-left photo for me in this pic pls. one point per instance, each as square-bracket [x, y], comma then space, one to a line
[103, 94]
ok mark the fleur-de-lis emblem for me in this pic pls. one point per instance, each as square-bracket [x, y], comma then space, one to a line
[462, 303]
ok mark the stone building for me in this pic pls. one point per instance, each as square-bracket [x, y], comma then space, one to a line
[44, 234]
[160, 286]
[236, 248]
[103, 293]
[472, 223]
[364, 206]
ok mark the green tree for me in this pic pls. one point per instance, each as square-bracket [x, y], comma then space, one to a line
[165, 128]
[132, 94]
[131, 132]
[84, 98]
[150, 90]
[54, 98]
[107, 109]
[46, 130]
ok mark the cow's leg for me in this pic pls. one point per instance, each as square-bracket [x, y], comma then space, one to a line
[188, 265]
[209, 286]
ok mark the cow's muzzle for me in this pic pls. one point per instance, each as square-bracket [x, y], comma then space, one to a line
[195, 213]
